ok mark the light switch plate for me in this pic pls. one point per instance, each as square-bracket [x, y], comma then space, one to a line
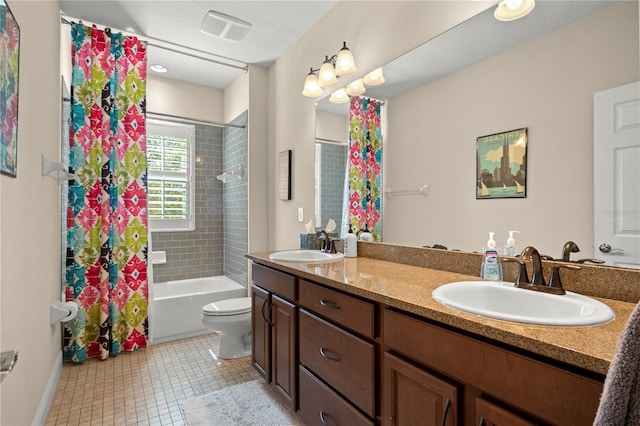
[300, 214]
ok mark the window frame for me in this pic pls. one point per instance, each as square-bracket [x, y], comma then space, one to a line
[188, 131]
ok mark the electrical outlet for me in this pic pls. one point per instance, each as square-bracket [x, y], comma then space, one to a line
[300, 214]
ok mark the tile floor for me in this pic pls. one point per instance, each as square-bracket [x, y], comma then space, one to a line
[144, 387]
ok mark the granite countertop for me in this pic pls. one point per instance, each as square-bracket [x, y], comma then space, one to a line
[409, 288]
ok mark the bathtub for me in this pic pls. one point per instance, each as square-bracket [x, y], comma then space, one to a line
[176, 308]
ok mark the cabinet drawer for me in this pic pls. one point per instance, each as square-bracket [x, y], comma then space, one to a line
[274, 281]
[489, 414]
[344, 361]
[346, 310]
[543, 390]
[320, 406]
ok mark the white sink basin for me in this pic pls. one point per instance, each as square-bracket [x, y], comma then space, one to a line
[503, 301]
[309, 256]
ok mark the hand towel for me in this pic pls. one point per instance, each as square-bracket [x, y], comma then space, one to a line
[620, 401]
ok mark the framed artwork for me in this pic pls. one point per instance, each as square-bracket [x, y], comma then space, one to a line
[9, 67]
[284, 175]
[501, 165]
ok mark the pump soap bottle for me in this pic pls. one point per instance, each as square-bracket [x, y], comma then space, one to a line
[491, 269]
[510, 249]
[350, 244]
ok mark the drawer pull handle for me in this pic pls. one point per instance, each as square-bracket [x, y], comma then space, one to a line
[445, 412]
[329, 357]
[482, 422]
[322, 419]
[329, 304]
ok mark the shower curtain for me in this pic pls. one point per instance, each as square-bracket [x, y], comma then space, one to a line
[106, 260]
[364, 169]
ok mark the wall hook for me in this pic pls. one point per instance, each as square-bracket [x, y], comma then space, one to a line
[49, 166]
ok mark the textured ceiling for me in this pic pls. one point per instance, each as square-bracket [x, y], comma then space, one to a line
[175, 40]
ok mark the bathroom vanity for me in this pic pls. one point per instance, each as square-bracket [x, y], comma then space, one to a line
[361, 341]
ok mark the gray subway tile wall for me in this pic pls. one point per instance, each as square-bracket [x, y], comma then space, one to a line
[333, 161]
[198, 253]
[218, 244]
[236, 206]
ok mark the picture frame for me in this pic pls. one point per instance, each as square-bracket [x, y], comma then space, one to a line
[9, 84]
[501, 165]
[284, 175]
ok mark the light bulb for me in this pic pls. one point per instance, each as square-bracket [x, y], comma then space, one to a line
[345, 65]
[356, 87]
[339, 97]
[312, 85]
[327, 74]
[374, 78]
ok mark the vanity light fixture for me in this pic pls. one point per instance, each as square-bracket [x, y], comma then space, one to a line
[158, 68]
[327, 75]
[374, 78]
[510, 10]
[312, 85]
[355, 87]
[339, 97]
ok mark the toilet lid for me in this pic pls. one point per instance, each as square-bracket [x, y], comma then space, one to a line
[240, 305]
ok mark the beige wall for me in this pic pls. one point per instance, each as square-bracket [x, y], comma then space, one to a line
[332, 127]
[30, 278]
[546, 85]
[377, 36]
[172, 97]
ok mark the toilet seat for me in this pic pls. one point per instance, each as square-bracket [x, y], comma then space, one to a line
[228, 307]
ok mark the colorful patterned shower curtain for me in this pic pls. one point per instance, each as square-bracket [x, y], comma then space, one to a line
[365, 166]
[106, 267]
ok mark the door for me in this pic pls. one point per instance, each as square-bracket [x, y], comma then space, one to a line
[261, 332]
[617, 176]
[411, 396]
[284, 366]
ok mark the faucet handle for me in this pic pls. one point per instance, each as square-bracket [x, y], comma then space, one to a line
[554, 282]
[523, 276]
[331, 248]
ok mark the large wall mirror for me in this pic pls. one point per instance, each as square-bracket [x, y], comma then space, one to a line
[485, 77]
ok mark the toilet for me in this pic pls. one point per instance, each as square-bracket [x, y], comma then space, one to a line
[231, 318]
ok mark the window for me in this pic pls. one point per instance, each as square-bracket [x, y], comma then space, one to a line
[170, 152]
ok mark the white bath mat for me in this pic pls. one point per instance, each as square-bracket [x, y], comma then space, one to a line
[246, 404]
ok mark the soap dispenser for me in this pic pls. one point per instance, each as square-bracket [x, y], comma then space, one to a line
[510, 249]
[365, 235]
[350, 244]
[491, 269]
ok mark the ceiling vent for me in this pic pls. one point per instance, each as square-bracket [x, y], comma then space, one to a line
[224, 26]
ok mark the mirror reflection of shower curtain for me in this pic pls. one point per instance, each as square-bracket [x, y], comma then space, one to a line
[106, 259]
[364, 171]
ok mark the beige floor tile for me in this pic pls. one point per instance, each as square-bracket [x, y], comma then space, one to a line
[144, 387]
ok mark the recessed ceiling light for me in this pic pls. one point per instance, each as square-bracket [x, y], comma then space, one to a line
[158, 68]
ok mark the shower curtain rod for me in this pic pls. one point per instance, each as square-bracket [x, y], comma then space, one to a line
[192, 121]
[165, 45]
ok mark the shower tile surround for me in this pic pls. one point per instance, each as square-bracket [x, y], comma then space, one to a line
[235, 202]
[204, 251]
[332, 183]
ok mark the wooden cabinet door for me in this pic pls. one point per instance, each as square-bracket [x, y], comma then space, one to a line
[283, 349]
[488, 414]
[411, 396]
[261, 332]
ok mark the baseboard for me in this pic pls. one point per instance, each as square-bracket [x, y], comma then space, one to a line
[49, 392]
